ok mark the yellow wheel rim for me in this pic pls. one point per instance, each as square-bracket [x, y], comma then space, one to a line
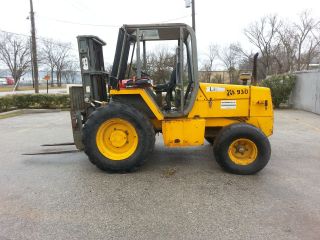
[243, 151]
[117, 139]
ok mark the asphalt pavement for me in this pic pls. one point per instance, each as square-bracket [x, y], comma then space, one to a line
[178, 194]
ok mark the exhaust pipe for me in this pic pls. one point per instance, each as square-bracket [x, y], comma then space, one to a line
[254, 70]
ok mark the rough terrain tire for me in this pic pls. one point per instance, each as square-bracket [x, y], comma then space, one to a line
[142, 126]
[235, 132]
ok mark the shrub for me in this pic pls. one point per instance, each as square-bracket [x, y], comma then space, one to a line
[6, 103]
[46, 101]
[281, 87]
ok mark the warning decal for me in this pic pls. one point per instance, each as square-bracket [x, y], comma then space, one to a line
[229, 104]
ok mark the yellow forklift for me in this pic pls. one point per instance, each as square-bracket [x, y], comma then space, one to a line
[116, 115]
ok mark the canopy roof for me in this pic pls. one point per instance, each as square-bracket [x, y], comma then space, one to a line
[168, 31]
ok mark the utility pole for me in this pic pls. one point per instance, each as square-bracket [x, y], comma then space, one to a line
[193, 16]
[34, 50]
[193, 12]
[32, 75]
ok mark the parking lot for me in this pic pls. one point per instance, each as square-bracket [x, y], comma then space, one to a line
[178, 194]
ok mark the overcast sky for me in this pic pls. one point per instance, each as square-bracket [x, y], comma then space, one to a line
[217, 21]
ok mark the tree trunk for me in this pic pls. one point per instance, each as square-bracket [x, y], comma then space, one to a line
[230, 77]
[16, 83]
[59, 78]
[52, 77]
[16, 80]
[57, 75]
[299, 57]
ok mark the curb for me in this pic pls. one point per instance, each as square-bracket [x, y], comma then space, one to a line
[32, 111]
[18, 112]
[10, 112]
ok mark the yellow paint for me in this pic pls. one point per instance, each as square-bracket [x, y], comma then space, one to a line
[221, 122]
[216, 105]
[212, 101]
[265, 124]
[183, 132]
[117, 139]
[145, 96]
[261, 102]
[224, 91]
[253, 106]
[243, 151]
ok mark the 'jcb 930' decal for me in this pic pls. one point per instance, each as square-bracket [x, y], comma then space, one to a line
[231, 92]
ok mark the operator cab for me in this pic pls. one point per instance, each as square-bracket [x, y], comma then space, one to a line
[175, 93]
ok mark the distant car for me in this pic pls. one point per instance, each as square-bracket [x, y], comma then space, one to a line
[10, 81]
[6, 81]
[3, 81]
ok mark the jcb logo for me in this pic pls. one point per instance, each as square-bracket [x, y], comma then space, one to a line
[230, 92]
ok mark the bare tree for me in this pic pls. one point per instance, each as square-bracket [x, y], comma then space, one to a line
[285, 46]
[211, 56]
[70, 71]
[15, 54]
[63, 53]
[303, 29]
[245, 58]
[160, 64]
[56, 55]
[48, 56]
[263, 35]
[312, 51]
[230, 57]
[108, 67]
[287, 50]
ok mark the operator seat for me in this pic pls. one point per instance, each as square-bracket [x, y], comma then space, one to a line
[168, 88]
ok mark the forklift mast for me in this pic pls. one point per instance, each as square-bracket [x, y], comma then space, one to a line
[94, 77]
[94, 84]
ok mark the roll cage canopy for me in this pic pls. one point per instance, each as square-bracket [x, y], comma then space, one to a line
[134, 38]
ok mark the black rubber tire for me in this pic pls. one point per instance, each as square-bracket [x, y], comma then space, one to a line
[142, 125]
[241, 130]
[210, 140]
